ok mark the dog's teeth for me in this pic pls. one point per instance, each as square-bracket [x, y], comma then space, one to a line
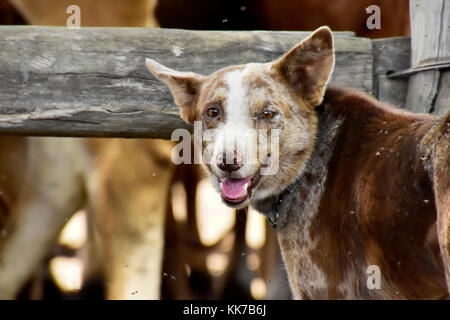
[221, 185]
[246, 186]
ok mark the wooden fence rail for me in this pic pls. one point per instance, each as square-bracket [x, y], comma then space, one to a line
[92, 82]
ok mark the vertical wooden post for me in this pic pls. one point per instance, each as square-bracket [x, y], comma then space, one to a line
[429, 91]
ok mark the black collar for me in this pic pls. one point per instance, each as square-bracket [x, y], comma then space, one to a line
[273, 216]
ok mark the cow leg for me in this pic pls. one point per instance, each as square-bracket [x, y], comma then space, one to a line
[52, 192]
[130, 207]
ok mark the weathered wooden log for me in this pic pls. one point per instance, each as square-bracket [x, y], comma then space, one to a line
[93, 81]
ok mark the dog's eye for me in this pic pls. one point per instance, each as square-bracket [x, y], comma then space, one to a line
[267, 114]
[212, 112]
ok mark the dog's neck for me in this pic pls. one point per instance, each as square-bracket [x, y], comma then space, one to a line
[339, 106]
[276, 207]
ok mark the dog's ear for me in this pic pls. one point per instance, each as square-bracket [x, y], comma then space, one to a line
[308, 66]
[185, 87]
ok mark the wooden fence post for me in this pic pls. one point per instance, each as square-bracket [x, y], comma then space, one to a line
[429, 91]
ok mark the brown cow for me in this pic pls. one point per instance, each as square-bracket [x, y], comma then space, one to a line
[43, 181]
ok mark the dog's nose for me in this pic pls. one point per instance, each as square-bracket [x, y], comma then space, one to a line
[229, 166]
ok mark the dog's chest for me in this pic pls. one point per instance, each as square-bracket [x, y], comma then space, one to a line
[297, 240]
[305, 241]
[297, 208]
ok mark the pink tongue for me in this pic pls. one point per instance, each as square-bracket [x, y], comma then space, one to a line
[235, 189]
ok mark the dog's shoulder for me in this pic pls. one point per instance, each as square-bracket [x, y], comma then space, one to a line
[373, 124]
[356, 103]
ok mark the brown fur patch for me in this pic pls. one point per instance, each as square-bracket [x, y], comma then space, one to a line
[376, 207]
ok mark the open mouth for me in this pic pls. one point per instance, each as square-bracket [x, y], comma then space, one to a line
[236, 191]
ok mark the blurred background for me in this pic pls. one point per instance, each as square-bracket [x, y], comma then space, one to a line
[142, 228]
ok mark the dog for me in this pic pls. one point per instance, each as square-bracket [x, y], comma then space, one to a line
[360, 185]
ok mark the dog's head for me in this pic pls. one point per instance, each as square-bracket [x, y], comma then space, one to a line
[258, 119]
